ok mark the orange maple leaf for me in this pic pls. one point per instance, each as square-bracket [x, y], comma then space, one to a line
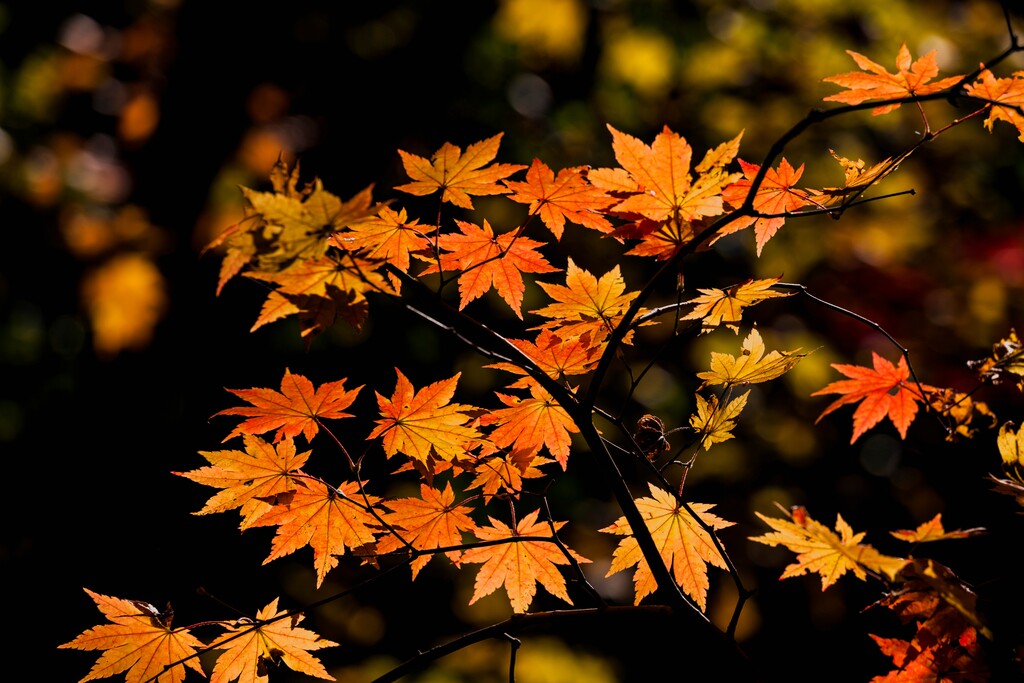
[505, 473]
[884, 392]
[776, 195]
[422, 423]
[325, 518]
[717, 306]
[658, 178]
[389, 236]
[556, 357]
[296, 409]
[685, 546]
[139, 642]
[250, 647]
[932, 530]
[520, 565]
[487, 261]
[567, 196]
[458, 175]
[873, 82]
[822, 551]
[432, 521]
[586, 303]
[529, 424]
[249, 479]
[999, 92]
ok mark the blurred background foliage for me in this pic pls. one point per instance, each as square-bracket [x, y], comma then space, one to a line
[126, 129]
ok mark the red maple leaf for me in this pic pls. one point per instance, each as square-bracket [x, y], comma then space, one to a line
[883, 391]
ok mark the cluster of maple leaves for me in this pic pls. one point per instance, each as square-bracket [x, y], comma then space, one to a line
[323, 256]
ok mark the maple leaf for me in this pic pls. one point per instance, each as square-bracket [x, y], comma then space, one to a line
[1011, 447]
[714, 422]
[932, 530]
[1005, 96]
[751, 366]
[252, 646]
[293, 228]
[822, 551]
[432, 521]
[458, 175]
[296, 409]
[874, 82]
[567, 196]
[250, 478]
[883, 391]
[389, 236]
[325, 518]
[944, 646]
[776, 195]
[138, 642]
[488, 261]
[323, 289]
[857, 177]
[505, 473]
[717, 306]
[556, 357]
[586, 303]
[659, 178]
[1005, 363]
[529, 424]
[959, 409]
[685, 546]
[422, 423]
[519, 566]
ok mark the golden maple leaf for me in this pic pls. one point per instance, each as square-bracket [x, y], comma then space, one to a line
[520, 565]
[252, 646]
[717, 306]
[138, 642]
[685, 546]
[586, 303]
[714, 422]
[751, 366]
[458, 175]
[825, 552]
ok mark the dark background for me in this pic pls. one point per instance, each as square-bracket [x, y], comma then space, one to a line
[90, 439]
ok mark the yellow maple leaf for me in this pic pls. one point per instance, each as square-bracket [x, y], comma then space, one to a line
[139, 643]
[685, 546]
[751, 366]
[717, 306]
[252, 646]
[825, 552]
[714, 422]
[586, 303]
